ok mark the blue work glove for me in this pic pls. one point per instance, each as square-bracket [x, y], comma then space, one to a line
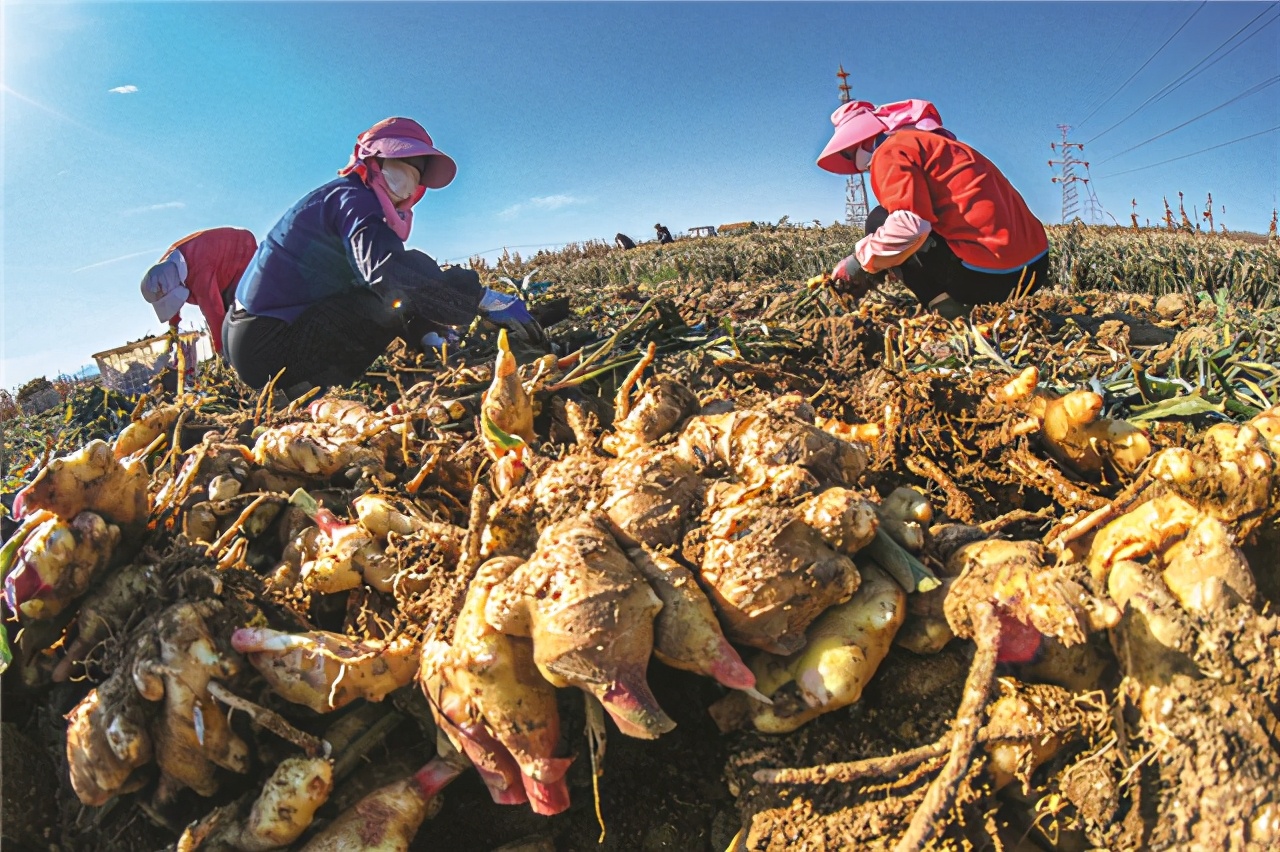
[503, 308]
[433, 340]
[509, 312]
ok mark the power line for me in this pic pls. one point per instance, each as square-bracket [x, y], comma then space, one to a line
[1100, 68]
[1192, 73]
[1192, 154]
[1252, 90]
[1234, 47]
[1143, 65]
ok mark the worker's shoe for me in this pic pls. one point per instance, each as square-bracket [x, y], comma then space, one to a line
[949, 308]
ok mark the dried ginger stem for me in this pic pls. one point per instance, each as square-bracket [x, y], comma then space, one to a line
[622, 399]
[271, 721]
[959, 506]
[872, 767]
[235, 528]
[977, 692]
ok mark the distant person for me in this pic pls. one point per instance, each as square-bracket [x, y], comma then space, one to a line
[202, 269]
[624, 242]
[664, 236]
[333, 283]
[949, 222]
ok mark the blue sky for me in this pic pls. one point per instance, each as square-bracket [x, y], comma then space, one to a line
[127, 126]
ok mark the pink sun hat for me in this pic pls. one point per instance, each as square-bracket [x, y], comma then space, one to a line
[397, 138]
[913, 114]
[855, 122]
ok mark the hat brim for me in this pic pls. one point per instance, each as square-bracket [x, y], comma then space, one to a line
[848, 135]
[168, 305]
[440, 170]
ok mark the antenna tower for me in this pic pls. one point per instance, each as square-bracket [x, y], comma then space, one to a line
[855, 189]
[1068, 178]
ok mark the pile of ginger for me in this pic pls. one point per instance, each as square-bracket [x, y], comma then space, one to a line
[735, 543]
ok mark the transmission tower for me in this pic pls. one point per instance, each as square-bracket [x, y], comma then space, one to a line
[855, 189]
[1067, 177]
[1095, 208]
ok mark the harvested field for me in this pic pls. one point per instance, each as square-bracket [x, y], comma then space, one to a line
[1008, 583]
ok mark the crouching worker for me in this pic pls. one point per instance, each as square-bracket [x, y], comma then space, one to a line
[202, 269]
[950, 226]
[333, 284]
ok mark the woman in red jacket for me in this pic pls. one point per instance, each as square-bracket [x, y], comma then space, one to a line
[949, 224]
[202, 269]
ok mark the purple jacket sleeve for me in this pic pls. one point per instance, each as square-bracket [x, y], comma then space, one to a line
[380, 260]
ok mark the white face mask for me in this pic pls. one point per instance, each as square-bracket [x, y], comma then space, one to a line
[862, 159]
[402, 179]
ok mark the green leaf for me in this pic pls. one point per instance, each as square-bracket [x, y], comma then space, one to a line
[304, 501]
[509, 443]
[6, 653]
[984, 347]
[1182, 406]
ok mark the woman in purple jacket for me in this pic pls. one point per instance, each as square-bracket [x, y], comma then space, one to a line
[332, 284]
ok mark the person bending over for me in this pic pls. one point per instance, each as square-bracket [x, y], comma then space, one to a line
[950, 225]
[332, 284]
[201, 269]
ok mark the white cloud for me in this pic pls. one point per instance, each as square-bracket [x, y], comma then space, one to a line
[112, 260]
[149, 208]
[123, 90]
[541, 202]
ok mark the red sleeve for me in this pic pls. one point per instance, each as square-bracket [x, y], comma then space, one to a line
[203, 284]
[897, 178]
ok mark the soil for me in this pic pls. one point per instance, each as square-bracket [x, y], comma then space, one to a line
[1197, 771]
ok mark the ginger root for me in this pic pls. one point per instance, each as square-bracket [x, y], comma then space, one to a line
[139, 434]
[686, 634]
[325, 671]
[192, 733]
[650, 498]
[846, 645]
[763, 447]
[664, 405]
[109, 741]
[506, 404]
[769, 574]
[1033, 600]
[315, 449]
[1231, 475]
[905, 515]
[90, 479]
[286, 806]
[106, 610]
[590, 614]
[1071, 428]
[57, 562]
[387, 819]
[846, 522]
[487, 677]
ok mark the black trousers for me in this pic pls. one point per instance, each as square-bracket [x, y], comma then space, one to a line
[934, 269]
[331, 343]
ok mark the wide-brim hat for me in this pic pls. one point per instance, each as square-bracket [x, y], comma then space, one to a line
[855, 123]
[162, 286]
[398, 138]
